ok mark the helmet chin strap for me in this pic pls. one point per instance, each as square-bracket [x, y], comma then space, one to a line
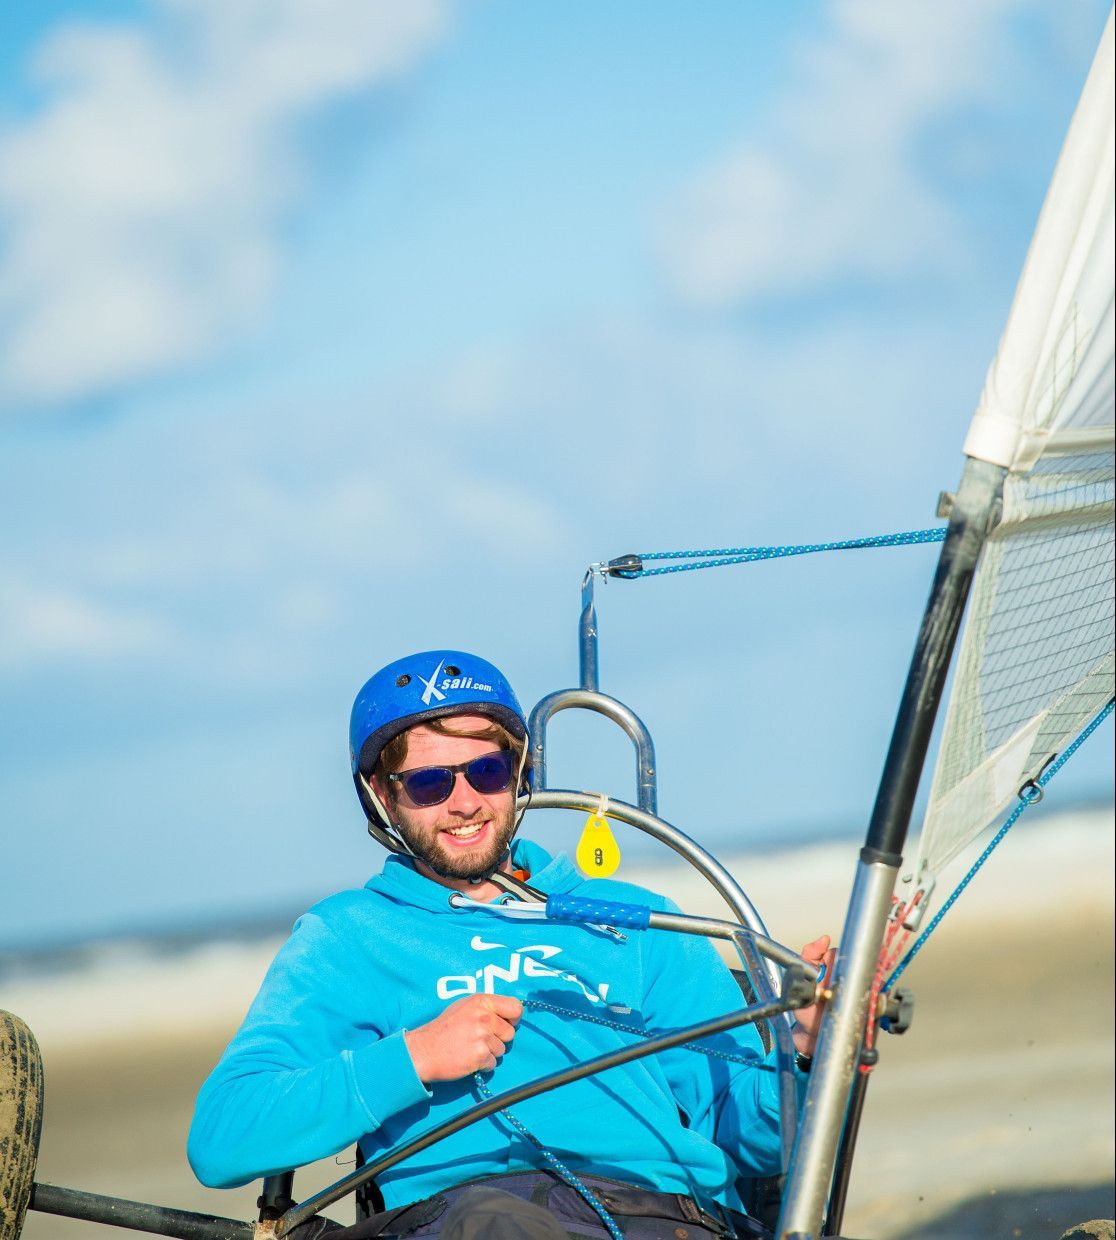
[398, 845]
[382, 835]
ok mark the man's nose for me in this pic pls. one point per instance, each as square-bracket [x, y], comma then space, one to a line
[463, 798]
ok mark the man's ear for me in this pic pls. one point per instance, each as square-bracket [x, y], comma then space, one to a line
[380, 787]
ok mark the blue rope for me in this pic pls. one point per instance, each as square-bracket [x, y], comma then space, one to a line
[1028, 795]
[639, 1033]
[720, 557]
[555, 1164]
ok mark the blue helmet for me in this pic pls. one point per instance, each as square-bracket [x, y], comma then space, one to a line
[419, 688]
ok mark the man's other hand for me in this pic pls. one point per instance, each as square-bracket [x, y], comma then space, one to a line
[469, 1036]
[808, 1019]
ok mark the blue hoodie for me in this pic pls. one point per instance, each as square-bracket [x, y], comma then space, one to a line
[320, 1061]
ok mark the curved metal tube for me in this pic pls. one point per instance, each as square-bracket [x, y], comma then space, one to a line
[590, 699]
[705, 863]
[759, 971]
[510, 1097]
[722, 881]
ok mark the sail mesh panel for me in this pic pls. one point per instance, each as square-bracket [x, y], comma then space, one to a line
[1036, 659]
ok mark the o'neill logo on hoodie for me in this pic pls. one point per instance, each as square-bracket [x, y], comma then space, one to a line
[435, 692]
[523, 962]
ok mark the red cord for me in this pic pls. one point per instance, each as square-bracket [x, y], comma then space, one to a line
[889, 957]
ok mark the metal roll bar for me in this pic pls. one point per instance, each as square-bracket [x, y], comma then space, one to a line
[704, 862]
[777, 995]
[611, 708]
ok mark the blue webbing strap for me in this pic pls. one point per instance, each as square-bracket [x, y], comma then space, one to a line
[1028, 795]
[722, 556]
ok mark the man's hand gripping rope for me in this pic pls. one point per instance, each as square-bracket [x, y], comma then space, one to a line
[471, 1035]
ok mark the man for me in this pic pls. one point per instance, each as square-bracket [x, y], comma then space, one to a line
[394, 1007]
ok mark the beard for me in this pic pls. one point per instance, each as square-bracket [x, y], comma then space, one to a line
[450, 862]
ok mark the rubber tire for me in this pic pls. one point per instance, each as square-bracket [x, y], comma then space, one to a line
[21, 1120]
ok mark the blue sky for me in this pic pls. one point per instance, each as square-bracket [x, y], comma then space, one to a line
[330, 331]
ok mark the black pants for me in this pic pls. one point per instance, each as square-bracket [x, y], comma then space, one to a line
[537, 1205]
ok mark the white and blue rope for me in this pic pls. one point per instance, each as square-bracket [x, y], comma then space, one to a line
[556, 1164]
[722, 556]
[1029, 794]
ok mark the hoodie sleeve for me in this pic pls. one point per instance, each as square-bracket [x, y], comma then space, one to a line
[306, 1075]
[735, 1105]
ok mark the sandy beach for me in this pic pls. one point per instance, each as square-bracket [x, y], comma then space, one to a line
[992, 1117]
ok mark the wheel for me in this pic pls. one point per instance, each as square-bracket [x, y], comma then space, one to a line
[21, 1120]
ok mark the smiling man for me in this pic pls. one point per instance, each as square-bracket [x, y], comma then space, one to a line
[396, 1006]
[458, 829]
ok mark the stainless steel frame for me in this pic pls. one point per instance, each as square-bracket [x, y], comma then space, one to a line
[611, 708]
[587, 635]
[763, 971]
[974, 511]
[704, 862]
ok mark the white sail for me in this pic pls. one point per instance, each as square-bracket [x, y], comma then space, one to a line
[1036, 657]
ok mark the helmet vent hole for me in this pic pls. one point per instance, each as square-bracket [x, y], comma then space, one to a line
[452, 670]
[400, 681]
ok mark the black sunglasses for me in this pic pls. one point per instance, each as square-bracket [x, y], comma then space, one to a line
[431, 785]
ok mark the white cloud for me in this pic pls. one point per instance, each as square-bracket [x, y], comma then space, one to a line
[834, 187]
[257, 574]
[141, 202]
[48, 624]
[626, 412]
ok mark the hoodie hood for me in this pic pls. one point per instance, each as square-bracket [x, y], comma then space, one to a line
[400, 881]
